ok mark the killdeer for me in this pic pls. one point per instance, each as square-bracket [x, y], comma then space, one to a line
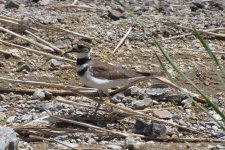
[101, 75]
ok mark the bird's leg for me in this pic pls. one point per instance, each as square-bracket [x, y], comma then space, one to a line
[99, 104]
[110, 99]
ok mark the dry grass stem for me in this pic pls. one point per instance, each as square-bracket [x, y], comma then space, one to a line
[44, 47]
[123, 39]
[39, 52]
[45, 42]
[53, 85]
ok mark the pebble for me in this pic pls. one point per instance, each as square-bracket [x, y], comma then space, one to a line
[113, 146]
[26, 117]
[8, 138]
[150, 129]
[38, 95]
[2, 109]
[141, 104]
[55, 63]
[16, 97]
[44, 2]
[132, 91]
[2, 97]
[115, 15]
[162, 114]
[2, 64]
[24, 67]
[217, 117]
[10, 119]
[157, 90]
[2, 116]
[12, 4]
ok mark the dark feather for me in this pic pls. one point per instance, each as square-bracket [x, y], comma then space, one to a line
[106, 71]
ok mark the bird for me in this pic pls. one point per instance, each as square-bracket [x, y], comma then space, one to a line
[102, 75]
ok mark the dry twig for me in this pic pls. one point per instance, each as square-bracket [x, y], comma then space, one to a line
[39, 52]
[123, 39]
[44, 47]
[45, 42]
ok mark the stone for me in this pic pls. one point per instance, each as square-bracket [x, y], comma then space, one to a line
[12, 4]
[55, 63]
[8, 139]
[162, 114]
[48, 95]
[26, 117]
[157, 90]
[11, 119]
[217, 117]
[24, 67]
[16, 97]
[132, 91]
[44, 2]
[115, 15]
[2, 97]
[2, 116]
[2, 64]
[38, 95]
[2, 109]
[149, 128]
[141, 104]
[113, 146]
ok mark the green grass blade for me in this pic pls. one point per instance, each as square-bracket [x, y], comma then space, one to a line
[215, 108]
[186, 94]
[209, 51]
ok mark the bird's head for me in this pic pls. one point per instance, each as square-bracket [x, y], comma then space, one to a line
[80, 47]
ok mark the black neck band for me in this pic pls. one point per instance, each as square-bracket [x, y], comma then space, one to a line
[81, 61]
[82, 72]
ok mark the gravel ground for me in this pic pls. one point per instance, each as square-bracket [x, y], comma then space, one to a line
[164, 19]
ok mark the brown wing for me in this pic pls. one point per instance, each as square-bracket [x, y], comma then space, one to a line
[106, 71]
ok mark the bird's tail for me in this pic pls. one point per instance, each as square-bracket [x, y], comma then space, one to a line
[151, 73]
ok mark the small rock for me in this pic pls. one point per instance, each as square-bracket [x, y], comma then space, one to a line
[2, 64]
[55, 63]
[218, 4]
[178, 120]
[44, 2]
[11, 119]
[2, 116]
[38, 95]
[115, 15]
[217, 117]
[132, 91]
[215, 128]
[132, 1]
[2, 97]
[16, 97]
[162, 114]
[48, 95]
[24, 67]
[2, 109]
[150, 129]
[141, 104]
[157, 90]
[12, 4]
[188, 112]
[8, 138]
[26, 117]
[113, 146]
[197, 4]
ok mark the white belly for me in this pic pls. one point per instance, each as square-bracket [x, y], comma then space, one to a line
[104, 84]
